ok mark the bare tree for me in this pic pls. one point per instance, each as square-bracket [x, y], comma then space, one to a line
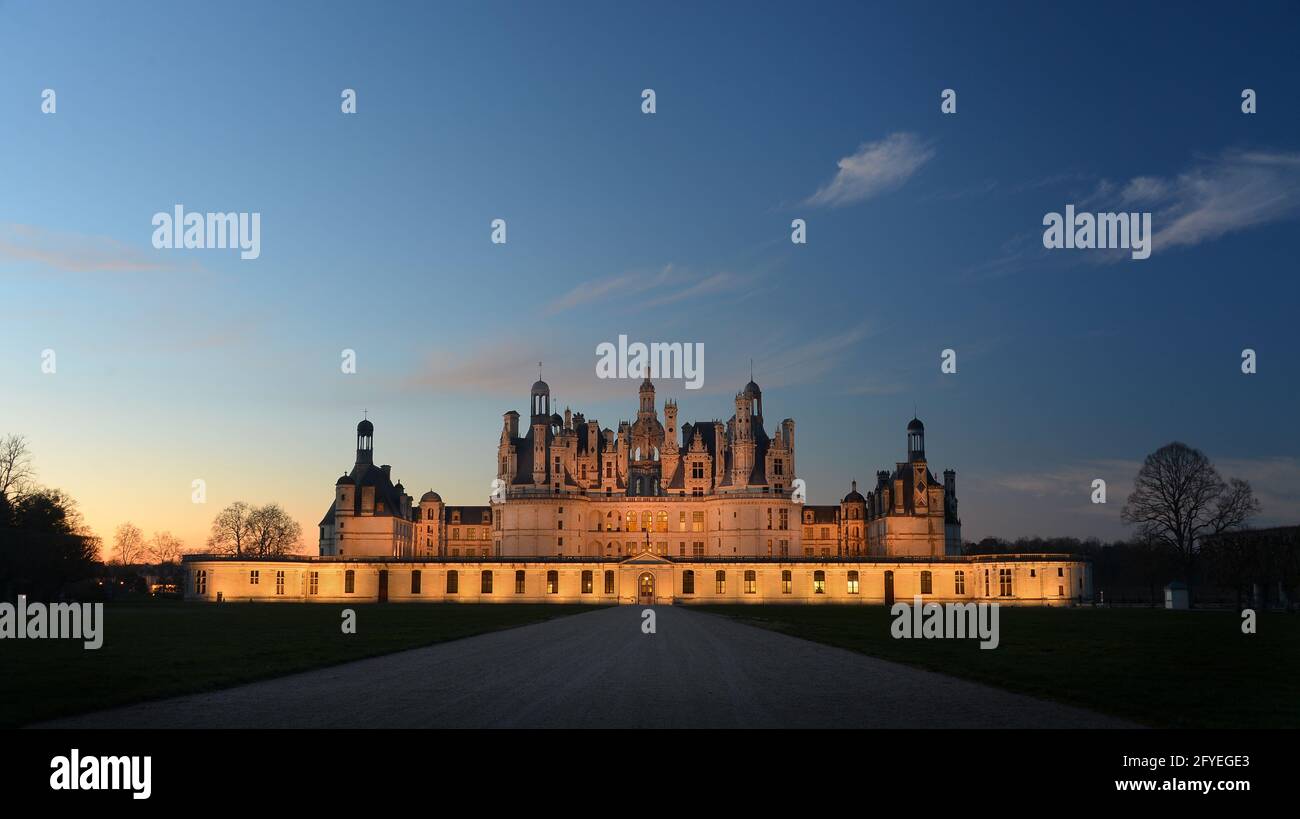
[254, 531]
[1179, 497]
[274, 532]
[128, 543]
[1235, 505]
[230, 530]
[16, 472]
[164, 547]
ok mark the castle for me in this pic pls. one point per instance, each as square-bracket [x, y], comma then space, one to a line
[567, 487]
[654, 512]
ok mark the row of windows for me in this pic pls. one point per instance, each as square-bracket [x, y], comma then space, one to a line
[1005, 581]
[486, 580]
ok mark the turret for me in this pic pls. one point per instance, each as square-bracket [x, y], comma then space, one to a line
[916, 440]
[365, 442]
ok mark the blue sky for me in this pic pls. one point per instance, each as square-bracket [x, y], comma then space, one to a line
[174, 365]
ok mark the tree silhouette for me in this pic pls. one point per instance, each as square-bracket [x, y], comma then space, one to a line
[1179, 497]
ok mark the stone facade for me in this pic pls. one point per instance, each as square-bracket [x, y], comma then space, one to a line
[655, 512]
[1042, 580]
[570, 488]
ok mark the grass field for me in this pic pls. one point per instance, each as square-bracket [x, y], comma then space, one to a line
[156, 649]
[1156, 667]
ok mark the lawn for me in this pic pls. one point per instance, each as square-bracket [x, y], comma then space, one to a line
[1159, 668]
[156, 649]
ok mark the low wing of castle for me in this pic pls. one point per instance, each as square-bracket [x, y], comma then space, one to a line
[566, 487]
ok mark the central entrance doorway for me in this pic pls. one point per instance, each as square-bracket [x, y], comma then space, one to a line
[646, 588]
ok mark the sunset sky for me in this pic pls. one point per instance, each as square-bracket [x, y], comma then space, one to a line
[924, 233]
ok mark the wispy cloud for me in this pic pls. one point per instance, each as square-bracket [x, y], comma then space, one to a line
[1275, 481]
[76, 253]
[668, 285]
[1237, 191]
[1071, 481]
[804, 361]
[876, 167]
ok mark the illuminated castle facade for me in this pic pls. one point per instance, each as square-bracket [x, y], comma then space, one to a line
[567, 487]
[655, 512]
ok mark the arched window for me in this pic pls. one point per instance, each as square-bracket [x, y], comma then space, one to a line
[720, 582]
[486, 583]
[453, 582]
[751, 581]
[819, 582]
[552, 582]
[349, 582]
[661, 522]
[646, 520]
[688, 582]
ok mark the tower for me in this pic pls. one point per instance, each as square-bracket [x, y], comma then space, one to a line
[365, 443]
[671, 452]
[742, 436]
[541, 420]
[647, 393]
[916, 440]
[916, 456]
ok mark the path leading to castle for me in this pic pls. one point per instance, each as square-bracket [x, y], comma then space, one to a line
[598, 669]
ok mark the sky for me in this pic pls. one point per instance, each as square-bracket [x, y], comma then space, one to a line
[924, 234]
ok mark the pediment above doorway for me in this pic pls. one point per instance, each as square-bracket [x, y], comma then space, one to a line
[647, 559]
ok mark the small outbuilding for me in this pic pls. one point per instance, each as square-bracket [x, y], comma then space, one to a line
[1176, 595]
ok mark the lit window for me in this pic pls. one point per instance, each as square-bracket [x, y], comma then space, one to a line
[853, 582]
[819, 582]
[552, 582]
[751, 581]
[1004, 582]
[959, 582]
[587, 583]
[720, 582]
